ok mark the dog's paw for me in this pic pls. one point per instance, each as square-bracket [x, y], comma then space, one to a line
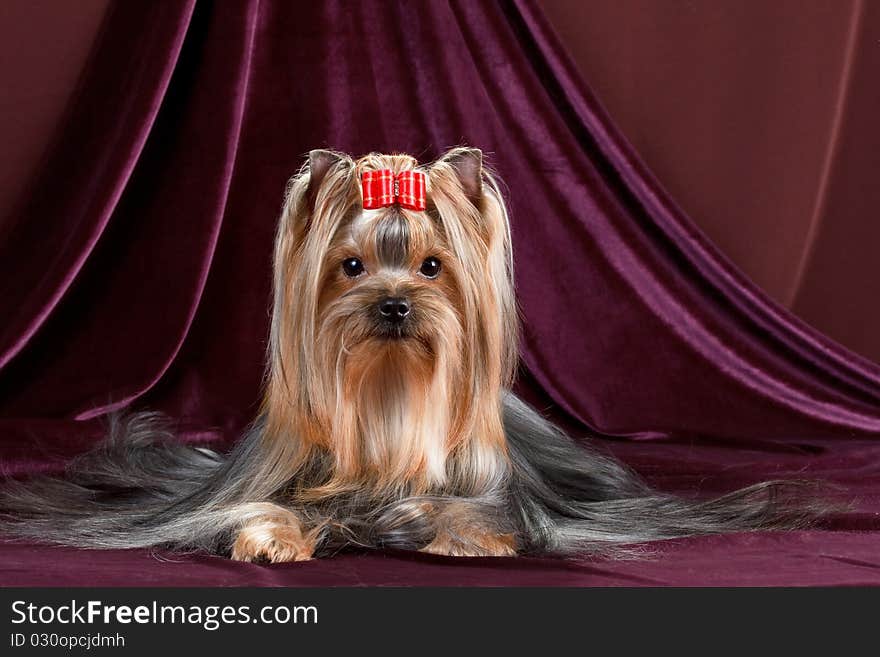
[472, 545]
[272, 542]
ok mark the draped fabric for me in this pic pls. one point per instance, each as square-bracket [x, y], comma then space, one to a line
[136, 275]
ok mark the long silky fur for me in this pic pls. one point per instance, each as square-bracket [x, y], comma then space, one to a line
[141, 488]
[506, 468]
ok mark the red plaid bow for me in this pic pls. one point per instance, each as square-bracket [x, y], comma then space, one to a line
[382, 188]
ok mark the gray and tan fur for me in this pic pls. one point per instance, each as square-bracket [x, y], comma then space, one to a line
[380, 435]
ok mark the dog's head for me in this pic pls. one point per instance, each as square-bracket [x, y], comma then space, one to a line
[390, 279]
[395, 312]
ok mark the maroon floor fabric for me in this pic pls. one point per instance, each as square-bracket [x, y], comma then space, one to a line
[802, 559]
[136, 275]
[843, 552]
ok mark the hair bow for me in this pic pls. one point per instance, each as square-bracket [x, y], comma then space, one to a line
[382, 188]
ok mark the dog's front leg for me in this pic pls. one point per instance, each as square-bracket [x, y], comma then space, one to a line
[269, 532]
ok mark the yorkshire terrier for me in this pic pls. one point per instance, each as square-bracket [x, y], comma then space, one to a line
[387, 419]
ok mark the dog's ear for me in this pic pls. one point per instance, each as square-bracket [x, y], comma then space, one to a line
[320, 162]
[468, 166]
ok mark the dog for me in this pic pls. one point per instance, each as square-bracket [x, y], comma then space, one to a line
[388, 419]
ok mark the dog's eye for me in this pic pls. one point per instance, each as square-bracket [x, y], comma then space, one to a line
[430, 268]
[352, 267]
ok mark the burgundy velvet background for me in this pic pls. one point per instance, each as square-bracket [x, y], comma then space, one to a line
[759, 119]
[137, 275]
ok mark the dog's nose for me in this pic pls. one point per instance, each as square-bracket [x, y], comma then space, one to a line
[394, 309]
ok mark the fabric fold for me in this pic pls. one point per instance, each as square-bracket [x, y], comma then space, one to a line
[99, 145]
[146, 277]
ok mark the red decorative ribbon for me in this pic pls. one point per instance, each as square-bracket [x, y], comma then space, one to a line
[382, 188]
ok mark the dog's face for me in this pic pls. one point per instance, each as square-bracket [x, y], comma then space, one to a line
[426, 292]
[390, 282]
[393, 328]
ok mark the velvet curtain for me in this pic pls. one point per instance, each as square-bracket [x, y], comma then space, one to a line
[136, 272]
[758, 118]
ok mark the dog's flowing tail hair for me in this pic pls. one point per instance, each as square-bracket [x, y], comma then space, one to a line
[142, 488]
